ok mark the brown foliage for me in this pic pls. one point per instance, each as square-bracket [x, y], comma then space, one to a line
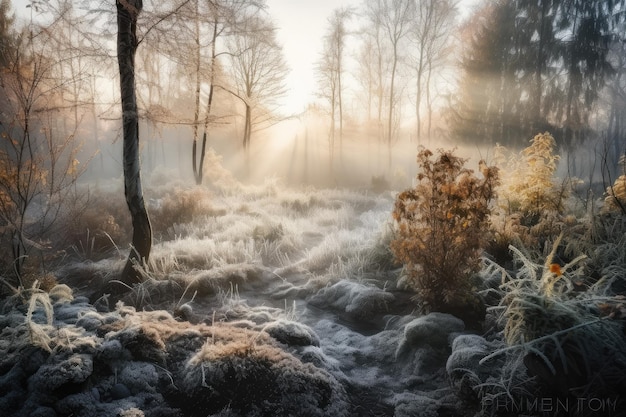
[179, 206]
[96, 228]
[442, 228]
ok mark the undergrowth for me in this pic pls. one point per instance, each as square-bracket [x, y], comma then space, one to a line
[563, 332]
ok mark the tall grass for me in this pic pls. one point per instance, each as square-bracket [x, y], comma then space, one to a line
[559, 336]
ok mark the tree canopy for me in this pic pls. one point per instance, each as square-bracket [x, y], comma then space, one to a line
[534, 65]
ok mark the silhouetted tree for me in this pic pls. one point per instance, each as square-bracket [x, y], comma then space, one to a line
[7, 43]
[222, 19]
[534, 65]
[430, 37]
[374, 63]
[127, 14]
[392, 18]
[258, 71]
[615, 145]
[585, 55]
[330, 70]
[38, 166]
[487, 107]
[328, 79]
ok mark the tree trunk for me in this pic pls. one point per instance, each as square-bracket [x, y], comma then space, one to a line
[538, 114]
[331, 135]
[196, 113]
[418, 100]
[209, 103]
[574, 80]
[340, 105]
[391, 104]
[429, 104]
[247, 128]
[127, 13]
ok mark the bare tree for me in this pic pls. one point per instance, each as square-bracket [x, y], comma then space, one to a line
[337, 39]
[224, 21]
[373, 62]
[615, 142]
[203, 29]
[329, 86]
[430, 36]
[392, 18]
[127, 14]
[366, 75]
[330, 70]
[258, 71]
[38, 166]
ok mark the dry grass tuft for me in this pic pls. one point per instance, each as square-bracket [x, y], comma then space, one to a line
[558, 341]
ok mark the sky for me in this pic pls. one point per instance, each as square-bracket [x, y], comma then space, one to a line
[301, 26]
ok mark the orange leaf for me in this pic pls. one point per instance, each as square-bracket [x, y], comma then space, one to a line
[556, 269]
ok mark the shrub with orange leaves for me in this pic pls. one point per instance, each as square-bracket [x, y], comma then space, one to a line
[442, 228]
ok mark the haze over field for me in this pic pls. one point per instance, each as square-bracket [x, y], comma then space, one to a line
[293, 208]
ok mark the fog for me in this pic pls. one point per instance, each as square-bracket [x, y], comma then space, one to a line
[318, 252]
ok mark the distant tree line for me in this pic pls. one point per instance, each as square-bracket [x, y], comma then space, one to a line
[401, 48]
[529, 66]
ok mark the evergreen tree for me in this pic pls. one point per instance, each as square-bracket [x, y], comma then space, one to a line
[490, 92]
[532, 66]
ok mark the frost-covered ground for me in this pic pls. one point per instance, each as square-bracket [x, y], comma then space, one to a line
[266, 302]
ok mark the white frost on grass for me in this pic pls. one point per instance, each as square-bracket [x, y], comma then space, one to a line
[228, 275]
[435, 330]
[357, 300]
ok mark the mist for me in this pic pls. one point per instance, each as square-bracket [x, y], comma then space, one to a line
[236, 208]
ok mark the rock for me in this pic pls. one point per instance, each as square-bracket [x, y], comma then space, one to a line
[292, 333]
[360, 302]
[43, 412]
[432, 330]
[463, 366]
[245, 371]
[408, 405]
[139, 377]
[119, 391]
[52, 376]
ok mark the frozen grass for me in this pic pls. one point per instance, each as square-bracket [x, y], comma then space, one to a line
[81, 362]
[271, 233]
[561, 329]
[296, 292]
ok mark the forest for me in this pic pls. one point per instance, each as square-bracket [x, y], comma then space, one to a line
[437, 228]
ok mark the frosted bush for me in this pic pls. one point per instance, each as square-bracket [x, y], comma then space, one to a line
[531, 187]
[615, 199]
[441, 230]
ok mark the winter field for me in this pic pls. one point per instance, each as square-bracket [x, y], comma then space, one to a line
[336, 208]
[270, 301]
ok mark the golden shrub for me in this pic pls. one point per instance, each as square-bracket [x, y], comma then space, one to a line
[442, 227]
